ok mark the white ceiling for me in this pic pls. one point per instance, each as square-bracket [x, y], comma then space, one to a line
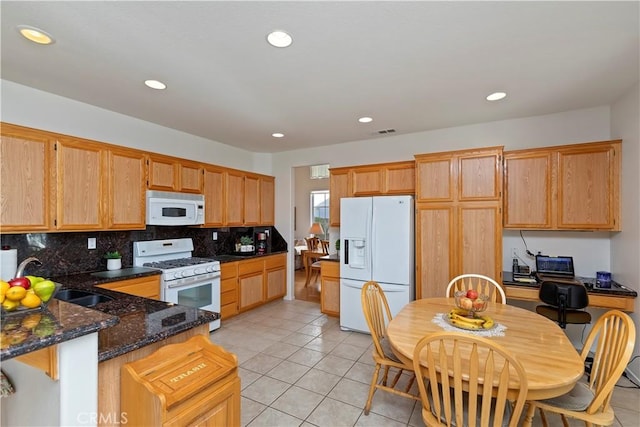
[412, 66]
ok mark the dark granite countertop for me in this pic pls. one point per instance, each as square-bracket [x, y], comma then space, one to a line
[124, 324]
[615, 289]
[234, 257]
[331, 257]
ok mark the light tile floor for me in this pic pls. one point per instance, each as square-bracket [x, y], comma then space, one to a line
[298, 368]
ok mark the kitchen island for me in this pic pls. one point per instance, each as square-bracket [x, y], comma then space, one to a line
[85, 349]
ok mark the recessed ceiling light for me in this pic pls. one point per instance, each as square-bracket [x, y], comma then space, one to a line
[496, 96]
[277, 135]
[279, 39]
[365, 119]
[36, 35]
[155, 84]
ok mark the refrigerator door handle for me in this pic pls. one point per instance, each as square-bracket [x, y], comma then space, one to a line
[346, 251]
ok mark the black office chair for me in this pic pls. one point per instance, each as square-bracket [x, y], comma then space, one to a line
[565, 302]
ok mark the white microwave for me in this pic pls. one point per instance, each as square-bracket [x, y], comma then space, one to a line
[167, 208]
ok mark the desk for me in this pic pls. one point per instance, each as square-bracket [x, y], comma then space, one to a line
[552, 364]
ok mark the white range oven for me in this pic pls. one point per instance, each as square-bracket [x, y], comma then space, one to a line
[186, 280]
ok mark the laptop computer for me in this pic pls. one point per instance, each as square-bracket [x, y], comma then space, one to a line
[558, 268]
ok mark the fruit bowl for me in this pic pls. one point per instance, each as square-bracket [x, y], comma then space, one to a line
[471, 302]
[23, 309]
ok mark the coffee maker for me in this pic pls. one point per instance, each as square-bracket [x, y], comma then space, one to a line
[261, 243]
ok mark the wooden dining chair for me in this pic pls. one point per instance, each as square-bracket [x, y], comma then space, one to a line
[312, 243]
[614, 336]
[463, 377]
[483, 284]
[377, 314]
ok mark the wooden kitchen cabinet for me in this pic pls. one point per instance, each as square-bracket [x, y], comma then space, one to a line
[250, 284]
[80, 184]
[366, 181]
[267, 200]
[214, 196]
[275, 270]
[330, 288]
[168, 173]
[234, 194]
[190, 177]
[147, 287]
[228, 289]
[574, 187]
[126, 189]
[27, 174]
[251, 199]
[458, 217]
[338, 188]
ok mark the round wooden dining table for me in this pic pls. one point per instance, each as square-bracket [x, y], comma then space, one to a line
[551, 362]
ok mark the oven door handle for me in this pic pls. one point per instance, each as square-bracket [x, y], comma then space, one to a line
[184, 285]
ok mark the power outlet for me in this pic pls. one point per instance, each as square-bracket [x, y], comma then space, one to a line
[214, 236]
[91, 243]
[514, 252]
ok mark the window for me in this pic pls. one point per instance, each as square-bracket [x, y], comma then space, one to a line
[320, 210]
[319, 171]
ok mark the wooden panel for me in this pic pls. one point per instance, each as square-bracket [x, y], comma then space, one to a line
[267, 200]
[528, 193]
[190, 177]
[366, 181]
[25, 163]
[234, 194]
[434, 259]
[400, 178]
[338, 188]
[251, 200]
[80, 176]
[275, 261]
[478, 177]
[276, 286]
[330, 288]
[148, 287]
[228, 289]
[163, 173]
[250, 267]
[586, 188]
[126, 189]
[229, 270]
[434, 179]
[479, 247]
[251, 291]
[214, 197]
[45, 359]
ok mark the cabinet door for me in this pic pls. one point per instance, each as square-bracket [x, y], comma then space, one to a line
[276, 276]
[251, 200]
[588, 187]
[190, 177]
[147, 287]
[80, 188]
[435, 178]
[235, 198]
[367, 181]
[267, 200]
[338, 188]
[126, 189]
[400, 178]
[213, 190]
[163, 173]
[330, 288]
[479, 244]
[527, 190]
[228, 289]
[250, 283]
[479, 175]
[25, 172]
[435, 242]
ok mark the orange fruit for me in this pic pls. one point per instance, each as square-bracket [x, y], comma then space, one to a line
[31, 301]
[16, 293]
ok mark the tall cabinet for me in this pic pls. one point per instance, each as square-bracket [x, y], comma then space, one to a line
[458, 217]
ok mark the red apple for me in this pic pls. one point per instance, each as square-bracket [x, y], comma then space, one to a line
[20, 281]
[472, 294]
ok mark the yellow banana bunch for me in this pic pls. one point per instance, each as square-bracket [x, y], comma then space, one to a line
[457, 318]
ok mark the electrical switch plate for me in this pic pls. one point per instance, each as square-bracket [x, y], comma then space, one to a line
[91, 243]
[514, 252]
[215, 235]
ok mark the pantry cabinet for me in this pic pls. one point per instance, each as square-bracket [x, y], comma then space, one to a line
[147, 287]
[214, 196]
[575, 187]
[330, 288]
[228, 289]
[26, 159]
[126, 189]
[458, 217]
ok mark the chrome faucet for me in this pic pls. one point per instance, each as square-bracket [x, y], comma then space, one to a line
[23, 264]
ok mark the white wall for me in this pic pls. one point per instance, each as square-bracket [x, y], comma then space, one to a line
[304, 185]
[625, 258]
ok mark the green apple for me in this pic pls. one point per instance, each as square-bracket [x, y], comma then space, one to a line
[44, 289]
[34, 279]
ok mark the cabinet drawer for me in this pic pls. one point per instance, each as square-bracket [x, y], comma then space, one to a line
[228, 310]
[143, 287]
[228, 297]
[228, 284]
[275, 261]
[250, 267]
[228, 269]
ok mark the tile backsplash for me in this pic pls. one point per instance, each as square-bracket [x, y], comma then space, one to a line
[67, 253]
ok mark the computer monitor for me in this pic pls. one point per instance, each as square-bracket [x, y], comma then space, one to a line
[555, 266]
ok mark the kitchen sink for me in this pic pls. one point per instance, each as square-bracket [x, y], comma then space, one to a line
[83, 298]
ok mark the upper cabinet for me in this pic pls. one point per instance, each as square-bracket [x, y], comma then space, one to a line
[26, 163]
[369, 180]
[214, 196]
[174, 174]
[574, 187]
[251, 199]
[267, 200]
[234, 198]
[126, 189]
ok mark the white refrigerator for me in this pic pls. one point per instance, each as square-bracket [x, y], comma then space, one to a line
[376, 243]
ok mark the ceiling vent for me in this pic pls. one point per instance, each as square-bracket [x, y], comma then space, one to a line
[385, 131]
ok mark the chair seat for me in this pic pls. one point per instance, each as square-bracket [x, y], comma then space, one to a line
[578, 399]
[387, 351]
[573, 316]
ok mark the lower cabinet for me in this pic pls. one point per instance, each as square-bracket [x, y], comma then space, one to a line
[228, 289]
[330, 288]
[251, 284]
[275, 269]
[148, 287]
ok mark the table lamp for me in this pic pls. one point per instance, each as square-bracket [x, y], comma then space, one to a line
[316, 228]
